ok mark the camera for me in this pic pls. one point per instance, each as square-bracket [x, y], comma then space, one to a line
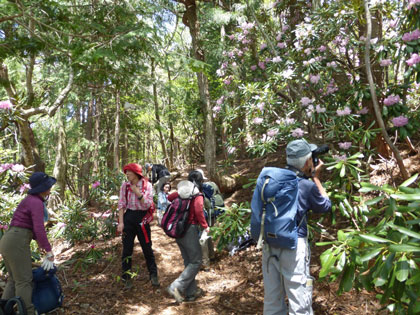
[319, 151]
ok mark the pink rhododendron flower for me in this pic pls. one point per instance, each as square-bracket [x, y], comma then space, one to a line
[61, 225]
[414, 59]
[344, 145]
[307, 51]
[277, 59]
[340, 157]
[217, 109]
[363, 111]
[6, 105]
[346, 111]
[220, 100]
[18, 168]
[320, 109]
[391, 100]
[257, 120]
[281, 45]
[231, 150]
[278, 37]
[285, 28]
[227, 81]
[96, 184]
[305, 101]
[247, 26]
[24, 187]
[289, 121]
[399, 121]
[272, 132]
[5, 167]
[92, 246]
[297, 133]
[332, 64]
[412, 4]
[408, 37]
[231, 37]
[253, 67]
[261, 64]
[314, 78]
[322, 48]
[385, 62]
[261, 106]
[263, 46]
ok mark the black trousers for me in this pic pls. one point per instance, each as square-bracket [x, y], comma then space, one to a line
[132, 228]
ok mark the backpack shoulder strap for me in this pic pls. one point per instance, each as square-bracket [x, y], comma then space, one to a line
[261, 237]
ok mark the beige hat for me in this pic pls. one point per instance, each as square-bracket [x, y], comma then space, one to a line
[202, 173]
[186, 189]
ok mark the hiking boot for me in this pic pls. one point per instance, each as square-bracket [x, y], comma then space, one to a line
[199, 292]
[155, 281]
[128, 284]
[175, 294]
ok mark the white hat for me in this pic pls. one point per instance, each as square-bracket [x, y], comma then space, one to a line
[186, 189]
[202, 173]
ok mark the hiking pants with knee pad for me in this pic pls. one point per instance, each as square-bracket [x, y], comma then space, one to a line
[286, 272]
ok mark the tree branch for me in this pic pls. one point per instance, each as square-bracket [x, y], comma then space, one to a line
[8, 18]
[374, 97]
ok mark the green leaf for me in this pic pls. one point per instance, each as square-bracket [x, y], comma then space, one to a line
[367, 187]
[368, 256]
[348, 278]
[406, 197]
[374, 200]
[415, 279]
[373, 238]
[343, 171]
[341, 236]
[402, 269]
[409, 181]
[404, 248]
[404, 230]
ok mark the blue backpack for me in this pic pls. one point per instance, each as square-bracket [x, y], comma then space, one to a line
[274, 208]
[47, 294]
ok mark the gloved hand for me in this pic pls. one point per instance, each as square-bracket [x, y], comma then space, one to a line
[48, 262]
[204, 237]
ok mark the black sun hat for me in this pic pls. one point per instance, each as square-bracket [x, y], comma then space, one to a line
[40, 182]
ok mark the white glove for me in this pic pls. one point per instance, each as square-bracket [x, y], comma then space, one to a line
[48, 264]
[204, 237]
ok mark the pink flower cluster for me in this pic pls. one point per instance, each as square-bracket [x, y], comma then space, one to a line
[220, 100]
[331, 87]
[412, 3]
[4, 227]
[217, 109]
[414, 35]
[24, 187]
[363, 111]
[297, 133]
[257, 120]
[305, 101]
[346, 111]
[14, 167]
[231, 150]
[272, 132]
[344, 145]
[320, 109]
[6, 105]
[385, 62]
[96, 184]
[399, 121]
[314, 78]
[339, 158]
[391, 100]
[414, 59]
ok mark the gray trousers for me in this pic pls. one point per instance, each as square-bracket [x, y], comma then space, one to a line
[16, 252]
[286, 272]
[191, 253]
[207, 249]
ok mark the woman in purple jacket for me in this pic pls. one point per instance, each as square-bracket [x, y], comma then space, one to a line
[27, 224]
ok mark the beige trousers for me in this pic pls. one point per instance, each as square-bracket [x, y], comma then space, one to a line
[16, 251]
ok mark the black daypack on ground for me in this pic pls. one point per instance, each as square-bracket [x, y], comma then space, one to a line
[12, 306]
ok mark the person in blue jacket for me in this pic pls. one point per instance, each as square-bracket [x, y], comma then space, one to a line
[286, 271]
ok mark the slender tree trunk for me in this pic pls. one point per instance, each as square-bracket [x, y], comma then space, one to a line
[86, 160]
[117, 132]
[60, 167]
[171, 127]
[96, 136]
[30, 153]
[155, 100]
[190, 19]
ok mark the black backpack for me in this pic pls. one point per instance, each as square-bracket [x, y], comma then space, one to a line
[10, 306]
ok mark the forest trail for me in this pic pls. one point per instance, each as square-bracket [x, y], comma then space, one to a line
[232, 286]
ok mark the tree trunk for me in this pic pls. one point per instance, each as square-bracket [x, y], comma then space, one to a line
[96, 136]
[30, 153]
[190, 19]
[171, 126]
[60, 167]
[117, 132]
[87, 164]
[155, 100]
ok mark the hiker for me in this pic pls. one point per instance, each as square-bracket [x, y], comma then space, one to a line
[213, 206]
[286, 271]
[163, 201]
[136, 200]
[27, 224]
[185, 286]
[159, 175]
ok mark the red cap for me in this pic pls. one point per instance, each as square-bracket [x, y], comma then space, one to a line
[134, 167]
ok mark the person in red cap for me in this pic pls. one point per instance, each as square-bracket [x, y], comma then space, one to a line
[136, 200]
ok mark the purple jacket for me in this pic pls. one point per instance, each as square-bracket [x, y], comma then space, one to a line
[30, 215]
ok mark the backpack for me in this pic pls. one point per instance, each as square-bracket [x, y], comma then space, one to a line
[213, 202]
[7, 307]
[175, 219]
[47, 294]
[274, 208]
